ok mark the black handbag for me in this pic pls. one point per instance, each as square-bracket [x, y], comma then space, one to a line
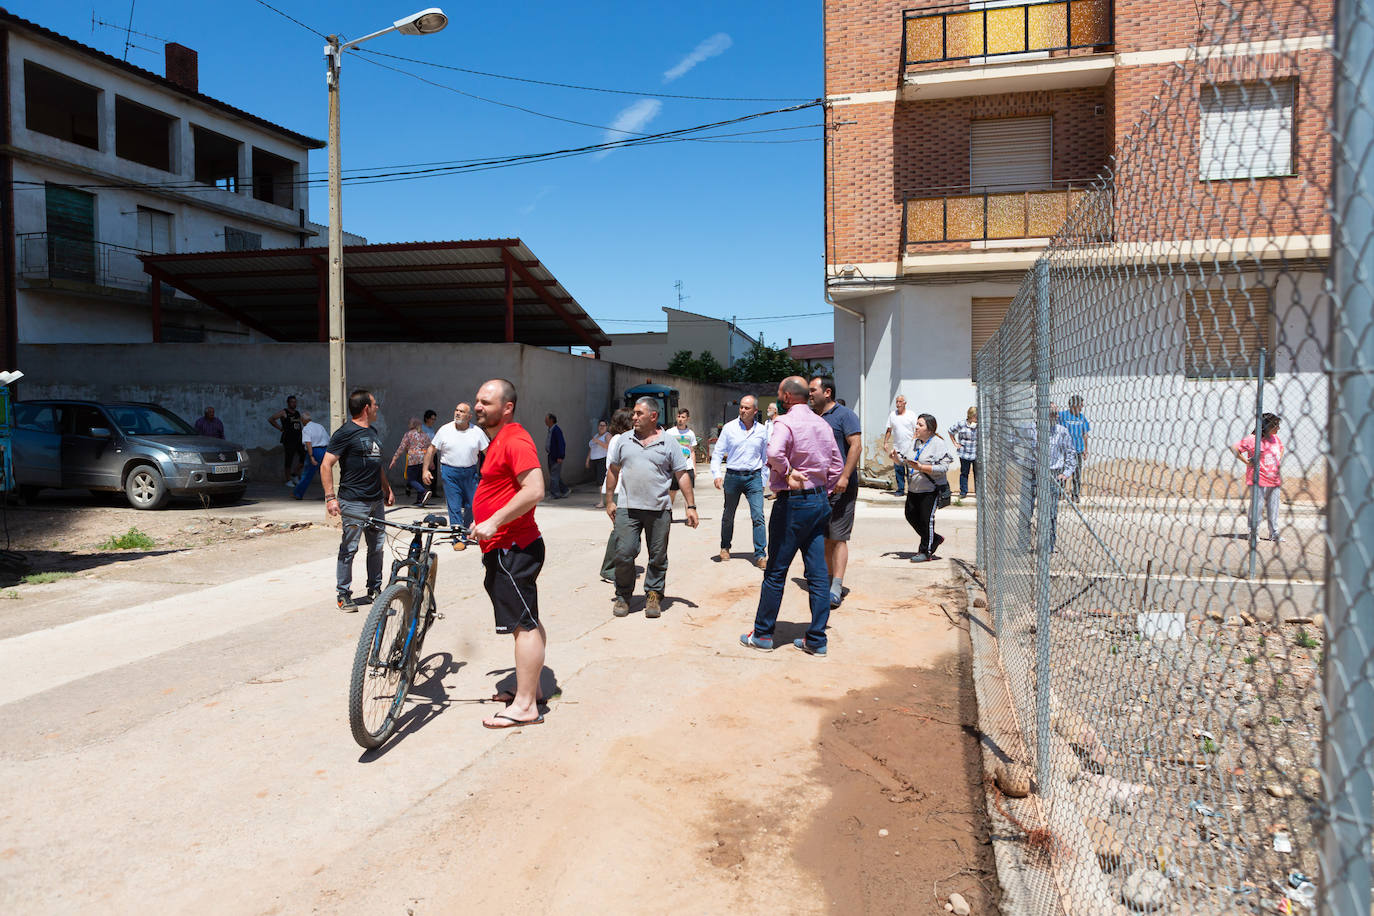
[943, 497]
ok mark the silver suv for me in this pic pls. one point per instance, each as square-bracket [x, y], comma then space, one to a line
[144, 450]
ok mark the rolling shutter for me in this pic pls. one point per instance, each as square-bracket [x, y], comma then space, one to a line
[71, 233]
[1225, 330]
[987, 317]
[1247, 130]
[1010, 154]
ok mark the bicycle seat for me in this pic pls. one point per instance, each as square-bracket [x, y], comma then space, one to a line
[438, 521]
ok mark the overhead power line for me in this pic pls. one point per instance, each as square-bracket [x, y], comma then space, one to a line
[524, 79]
[477, 165]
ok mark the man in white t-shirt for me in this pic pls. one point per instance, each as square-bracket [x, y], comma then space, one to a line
[314, 438]
[458, 446]
[901, 431]
[687, 440]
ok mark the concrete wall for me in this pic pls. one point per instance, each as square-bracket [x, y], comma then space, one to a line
[649, 348]
[247, 383]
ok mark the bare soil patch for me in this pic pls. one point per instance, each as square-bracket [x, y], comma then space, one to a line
[904, 758]
[65, 535]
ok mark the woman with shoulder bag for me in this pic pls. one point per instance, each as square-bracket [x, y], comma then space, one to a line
[929, 458]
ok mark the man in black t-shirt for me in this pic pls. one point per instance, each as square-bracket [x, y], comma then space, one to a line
[356, 448]
[288, 421]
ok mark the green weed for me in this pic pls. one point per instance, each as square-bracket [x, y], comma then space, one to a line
[45, 578]
[1209, 746]
[1250, 659]
[1275, 720]
[133, 539]
[1306, 640]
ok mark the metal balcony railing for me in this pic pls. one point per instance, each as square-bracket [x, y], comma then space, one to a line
[989, 214]
[43, 256]
[961, 31]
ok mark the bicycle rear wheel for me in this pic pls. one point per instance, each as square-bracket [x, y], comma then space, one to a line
[381, 668]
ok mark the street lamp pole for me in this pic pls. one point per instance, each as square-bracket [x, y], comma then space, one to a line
[425, 22]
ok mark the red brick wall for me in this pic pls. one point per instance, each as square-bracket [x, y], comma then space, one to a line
[1149, 124]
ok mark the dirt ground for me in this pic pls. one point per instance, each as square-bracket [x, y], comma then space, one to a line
[188, 701]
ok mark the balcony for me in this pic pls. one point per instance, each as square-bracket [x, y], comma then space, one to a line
[1008, 48]
[960, 33]
[82, 265]
[989, 216]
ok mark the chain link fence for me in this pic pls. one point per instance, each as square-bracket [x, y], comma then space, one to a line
[1189, 657]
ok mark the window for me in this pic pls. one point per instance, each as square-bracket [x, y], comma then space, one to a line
[80, 419]
[1225, 330]
[35, 417]
[987, 317]
[239, 240]
[71, 233]
[217, 158]
[143, 135]
[1247, 130]
[1010, 154]
[61, 107]
[273, 178]
[154, 231]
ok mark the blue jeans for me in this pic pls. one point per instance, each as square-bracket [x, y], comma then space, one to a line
[901, 473]
[797, 525]
[1049, 510]
[750, 485]
[556, 485]
[459, 486]
[348, 544]
[310, 471]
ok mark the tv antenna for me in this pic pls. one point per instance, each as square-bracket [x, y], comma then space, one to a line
[678, 286]
[129, 31]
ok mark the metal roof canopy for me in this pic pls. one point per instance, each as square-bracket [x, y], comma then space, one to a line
[483, 291]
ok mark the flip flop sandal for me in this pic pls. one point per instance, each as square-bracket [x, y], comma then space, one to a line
[513, 723]
[505, 696]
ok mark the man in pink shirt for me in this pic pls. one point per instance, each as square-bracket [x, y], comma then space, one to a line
[804, 464]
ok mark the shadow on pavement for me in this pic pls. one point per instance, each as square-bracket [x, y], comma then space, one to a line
[425, 701]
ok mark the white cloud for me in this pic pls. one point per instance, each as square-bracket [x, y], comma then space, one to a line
[717, 44]
[630, 121]
[543, 192]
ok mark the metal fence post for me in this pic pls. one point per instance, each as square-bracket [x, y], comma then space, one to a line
[1255, 463]
[1347, 767]
[980, 517]
[1046, 495]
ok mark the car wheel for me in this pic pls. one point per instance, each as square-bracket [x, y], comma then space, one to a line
[144, 488]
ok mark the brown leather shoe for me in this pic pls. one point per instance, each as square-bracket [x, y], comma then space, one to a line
[652, 608]
[724, 554]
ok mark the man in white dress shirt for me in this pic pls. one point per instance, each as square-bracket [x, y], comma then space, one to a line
[736, 464]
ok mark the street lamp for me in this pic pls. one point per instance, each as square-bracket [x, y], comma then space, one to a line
[425, 22]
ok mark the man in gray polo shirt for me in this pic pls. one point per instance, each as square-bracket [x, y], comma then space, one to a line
[646, 462]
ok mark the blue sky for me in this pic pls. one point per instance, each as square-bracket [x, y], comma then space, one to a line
[738, 223]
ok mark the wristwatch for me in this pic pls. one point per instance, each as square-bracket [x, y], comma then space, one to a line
[691, 507]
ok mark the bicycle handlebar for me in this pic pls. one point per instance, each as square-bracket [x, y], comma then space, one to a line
[454, 530]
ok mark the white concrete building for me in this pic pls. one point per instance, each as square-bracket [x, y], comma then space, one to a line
[104, 160]
[686, 331]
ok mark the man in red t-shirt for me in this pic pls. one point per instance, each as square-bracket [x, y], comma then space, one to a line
[512, 551]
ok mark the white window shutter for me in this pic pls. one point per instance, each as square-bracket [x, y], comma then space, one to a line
[1247, 130]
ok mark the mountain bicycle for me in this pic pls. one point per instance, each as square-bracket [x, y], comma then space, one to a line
[388, 655]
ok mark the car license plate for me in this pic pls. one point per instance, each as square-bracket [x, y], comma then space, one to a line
[224, 469]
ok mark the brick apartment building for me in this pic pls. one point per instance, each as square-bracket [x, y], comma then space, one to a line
[961, 134]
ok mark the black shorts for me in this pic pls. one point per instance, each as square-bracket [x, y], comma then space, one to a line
[511, 573]
[691, 475]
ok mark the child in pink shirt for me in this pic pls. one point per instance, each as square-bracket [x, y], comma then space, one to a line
[1270, 478]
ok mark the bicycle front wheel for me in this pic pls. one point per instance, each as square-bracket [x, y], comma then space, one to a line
[381, 669]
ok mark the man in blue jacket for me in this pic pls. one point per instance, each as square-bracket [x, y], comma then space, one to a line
[557, 450]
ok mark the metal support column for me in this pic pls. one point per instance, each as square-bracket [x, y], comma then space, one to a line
[1046, 495]
[1348, 678]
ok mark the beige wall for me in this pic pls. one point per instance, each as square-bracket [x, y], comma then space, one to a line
[247, 383]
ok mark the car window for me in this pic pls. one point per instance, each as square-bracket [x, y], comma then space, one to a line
[80, 419]
[38, 417]
[140, 420]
